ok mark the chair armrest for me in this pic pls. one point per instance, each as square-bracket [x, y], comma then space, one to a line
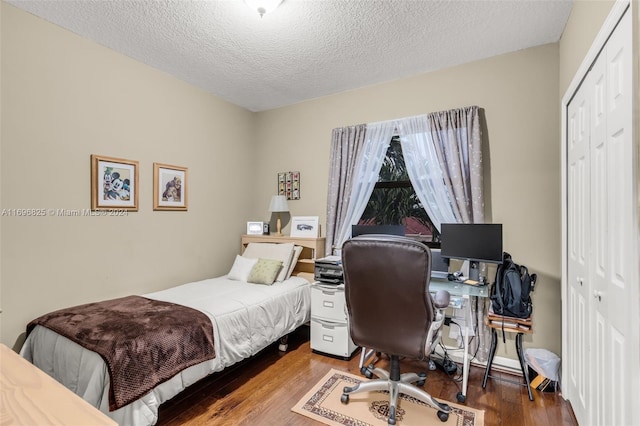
[441, 299]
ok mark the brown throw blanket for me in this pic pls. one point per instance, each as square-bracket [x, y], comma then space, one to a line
[144, 342]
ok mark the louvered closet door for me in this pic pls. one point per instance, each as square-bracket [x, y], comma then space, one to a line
[578, 211]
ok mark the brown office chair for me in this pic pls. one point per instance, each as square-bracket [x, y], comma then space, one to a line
[391, 311]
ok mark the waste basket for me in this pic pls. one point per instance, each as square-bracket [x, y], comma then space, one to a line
[544, 369]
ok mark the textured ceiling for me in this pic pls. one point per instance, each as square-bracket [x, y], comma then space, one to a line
[306, 48]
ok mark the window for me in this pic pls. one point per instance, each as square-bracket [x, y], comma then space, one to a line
[394, 201]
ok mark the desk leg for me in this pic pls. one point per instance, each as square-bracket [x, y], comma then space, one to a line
[462, 395]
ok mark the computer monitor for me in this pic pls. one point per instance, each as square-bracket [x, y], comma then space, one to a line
[475, 242]
[439, 264]
[377, 229]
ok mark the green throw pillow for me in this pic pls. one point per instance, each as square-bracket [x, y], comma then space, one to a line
[265, 271]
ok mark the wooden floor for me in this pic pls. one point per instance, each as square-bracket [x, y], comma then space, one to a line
[262, 390]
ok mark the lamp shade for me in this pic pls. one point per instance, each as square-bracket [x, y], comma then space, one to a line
[278, 204]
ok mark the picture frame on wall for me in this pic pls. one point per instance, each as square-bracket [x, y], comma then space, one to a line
[170, 187]
[305, 226]
[114, 183]
[289, 185]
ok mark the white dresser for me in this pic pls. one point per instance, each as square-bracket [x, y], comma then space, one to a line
[329, 321]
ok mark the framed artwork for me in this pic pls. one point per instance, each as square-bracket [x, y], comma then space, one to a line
[305, 226]
[289, 185]
[114, 183]
[170, 187]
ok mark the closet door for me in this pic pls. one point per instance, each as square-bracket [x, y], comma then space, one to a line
[602, 353]
[578, 211]
[612, 257]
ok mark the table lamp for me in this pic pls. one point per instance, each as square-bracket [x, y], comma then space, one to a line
[278, 205]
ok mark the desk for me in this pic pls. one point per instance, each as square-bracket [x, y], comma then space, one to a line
[465, 291]
[456, 290]
[30, 396]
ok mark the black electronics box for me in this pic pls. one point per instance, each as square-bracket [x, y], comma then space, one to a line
[328, 270]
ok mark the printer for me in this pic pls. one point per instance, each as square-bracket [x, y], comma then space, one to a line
[328, 270]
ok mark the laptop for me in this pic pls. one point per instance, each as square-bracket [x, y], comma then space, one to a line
[439, 265]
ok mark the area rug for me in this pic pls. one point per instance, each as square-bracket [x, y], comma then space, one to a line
[322, 403]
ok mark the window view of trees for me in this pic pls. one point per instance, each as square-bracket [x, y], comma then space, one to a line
[394, 201]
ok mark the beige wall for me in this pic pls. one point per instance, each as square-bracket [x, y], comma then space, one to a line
[518, 93]
[65, 98]
[582, 27]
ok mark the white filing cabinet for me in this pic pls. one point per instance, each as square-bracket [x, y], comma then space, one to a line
[329, 321]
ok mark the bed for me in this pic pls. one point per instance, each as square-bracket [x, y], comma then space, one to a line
[246, 318]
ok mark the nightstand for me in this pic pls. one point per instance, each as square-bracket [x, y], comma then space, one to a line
[329, 321]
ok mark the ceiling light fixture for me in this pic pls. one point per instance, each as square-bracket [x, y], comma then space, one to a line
[263, 6]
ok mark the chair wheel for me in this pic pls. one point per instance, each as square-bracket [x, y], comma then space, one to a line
[443, 416]
[423, 379]
[460, 397]
[344, 398]
[367, 371]
[392, 416]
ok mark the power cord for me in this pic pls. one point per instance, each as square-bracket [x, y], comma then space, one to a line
[446, 363]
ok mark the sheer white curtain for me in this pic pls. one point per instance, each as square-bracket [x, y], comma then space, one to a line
[424, 169]
[367, 170]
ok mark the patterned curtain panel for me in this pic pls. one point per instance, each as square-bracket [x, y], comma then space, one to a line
[457, 141]
[346, 143]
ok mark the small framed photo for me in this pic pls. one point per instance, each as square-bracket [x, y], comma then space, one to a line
[305, 226]
[170, 187]
[114, 183]
[255, 228]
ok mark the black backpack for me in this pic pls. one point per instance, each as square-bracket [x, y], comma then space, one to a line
[511, 293]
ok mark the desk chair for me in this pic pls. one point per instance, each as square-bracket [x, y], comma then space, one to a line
[391, 311]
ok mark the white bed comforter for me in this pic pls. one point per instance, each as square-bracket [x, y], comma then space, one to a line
[246, 318]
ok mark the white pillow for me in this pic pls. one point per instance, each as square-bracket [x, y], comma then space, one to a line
[241, 268]
[278, 251]
[296, 254]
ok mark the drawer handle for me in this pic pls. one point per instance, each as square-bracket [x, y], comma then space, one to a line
[327, 304]
[328, 293]
[327, 338]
